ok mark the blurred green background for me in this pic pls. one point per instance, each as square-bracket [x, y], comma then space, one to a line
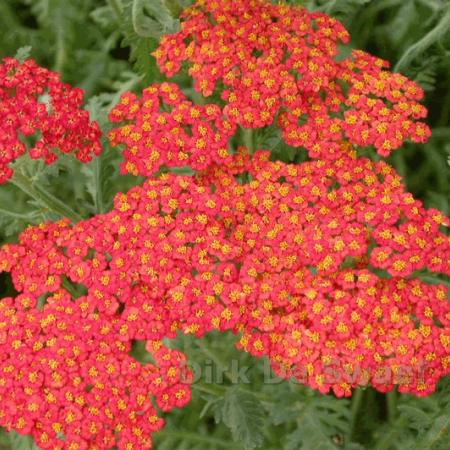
[100, 47]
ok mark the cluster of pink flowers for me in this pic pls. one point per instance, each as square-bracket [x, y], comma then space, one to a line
[68, 380]
[309, 240]
[281, 63]
[314, 265]
[163, 128]
[36, 106]
[66, 374]
[287, 260]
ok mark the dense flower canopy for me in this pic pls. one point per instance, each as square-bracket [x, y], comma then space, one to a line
[35, 104]
[316, 266]
[290, 264]
[74, 383]
[185, 135]
[284, 63]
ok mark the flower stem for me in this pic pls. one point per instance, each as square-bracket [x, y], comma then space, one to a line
[357, 401]
[44, 198]
[248, 137]
[391, 406]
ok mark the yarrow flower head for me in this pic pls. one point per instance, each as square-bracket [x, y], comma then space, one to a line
[282, 64]
[289, 260]
[316, 266]
[311, 296]
[164, 128]
[35, 105]
[67, 377]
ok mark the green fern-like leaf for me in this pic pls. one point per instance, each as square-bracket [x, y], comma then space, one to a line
[58, 17]
[23, 53]
[425, 73]
[319, 421]
[417, 419]
[244, 415]
[12, 223]
[437, 437]
[416, 50]
[143, 22]
[101, 175]
[342, 9]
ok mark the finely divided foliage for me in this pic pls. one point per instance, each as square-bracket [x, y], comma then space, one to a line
[328, 269]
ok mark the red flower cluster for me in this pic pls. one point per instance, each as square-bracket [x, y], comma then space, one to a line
[278, 62]
[163, 128]
[36, 105]
[286, 259]
[315, 265]
[66, 374]
[310, 297]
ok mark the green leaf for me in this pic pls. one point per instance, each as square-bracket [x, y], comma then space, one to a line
[144, 26]
[174, 7]
[299, 440]
[343, 8]
[143, 22]
[426, 73]
[103, 16]
[437, 436]
[105, 101]
[23, 53]
[160, 12]
[101, 175]
[12, 223]
[244, 415]
[433, 36]
[20, 442]
[58, 17]
[319, 421]
[417, 419]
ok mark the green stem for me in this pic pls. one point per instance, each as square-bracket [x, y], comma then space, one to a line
[20, 216]
[391, 405]
[60, 56]
[44, 198]
[214, 389]
[248, 137]
[357, 401]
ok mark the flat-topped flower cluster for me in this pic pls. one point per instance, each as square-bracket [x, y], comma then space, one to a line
[313, 265]
[276, 62]
[36, 105]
